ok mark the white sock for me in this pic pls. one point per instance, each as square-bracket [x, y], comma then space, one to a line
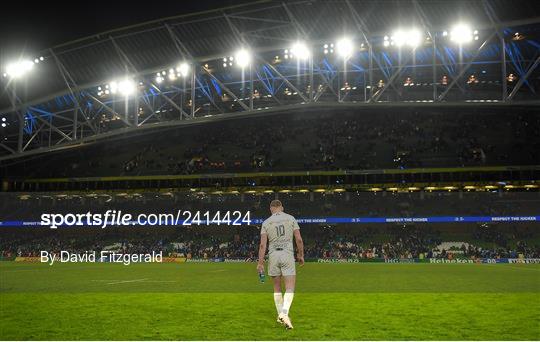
[287, 301]
[278, 300]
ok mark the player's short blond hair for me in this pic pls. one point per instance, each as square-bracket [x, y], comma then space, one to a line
[276, 203]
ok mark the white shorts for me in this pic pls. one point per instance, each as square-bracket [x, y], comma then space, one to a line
[281, 263]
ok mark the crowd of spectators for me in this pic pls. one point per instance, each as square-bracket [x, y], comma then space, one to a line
[309, 141]
[327, 242]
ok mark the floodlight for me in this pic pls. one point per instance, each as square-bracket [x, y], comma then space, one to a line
[4, 124]
[345, 47]
[461, 33]
[18, 69]
[300, 50]
[410, 37]
[113, 86]
[125, 87]
[243, 58]
[4, 119]
[183, 69]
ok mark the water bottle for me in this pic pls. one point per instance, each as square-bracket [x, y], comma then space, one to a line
[261, 277]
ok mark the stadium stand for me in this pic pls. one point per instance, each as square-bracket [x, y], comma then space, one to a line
[397, 240]
[309, 140]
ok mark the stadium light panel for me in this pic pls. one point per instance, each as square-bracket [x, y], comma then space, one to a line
[300, 50]
[345, 47]
[243, 58]
[183, 69]
[461, 33]
[20, 68]
[125, 87]
[410, 38]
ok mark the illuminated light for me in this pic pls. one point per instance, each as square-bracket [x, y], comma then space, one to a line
[224, 65]
[345, 47]
[171, 71]
[4, 124]
[268, 191]
[386, 43]
[303, 190]
[243, 58]
[509, 186]
[225, 59]
[445, 33]
[531, 186]
[285, 191]
[113, 86]
[410, 38]
[300, 51]
[413, 188]
[4, 119]
[18, 69]
[469, 187]
[172, 77]
[319, 190]
[163, 73]
[36, 61]
[183, 69]
[125, 87]
[430, 188]
[98, 88]
[461, 33]
[392, 189]
[107, 92]
[250, 191]
[41, 58]
[339, 190]
[325, 46]
[375, 189]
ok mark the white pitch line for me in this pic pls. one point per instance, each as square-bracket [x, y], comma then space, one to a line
[127, 281]
[146, 280]
[160, 281]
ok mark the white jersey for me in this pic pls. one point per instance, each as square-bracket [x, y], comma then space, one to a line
[280, 229]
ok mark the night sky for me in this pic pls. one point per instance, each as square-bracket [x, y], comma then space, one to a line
[28, 27]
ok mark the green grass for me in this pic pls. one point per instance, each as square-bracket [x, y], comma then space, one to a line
[226, 301]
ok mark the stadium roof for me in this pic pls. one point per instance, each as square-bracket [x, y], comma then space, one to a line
[261, 25]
